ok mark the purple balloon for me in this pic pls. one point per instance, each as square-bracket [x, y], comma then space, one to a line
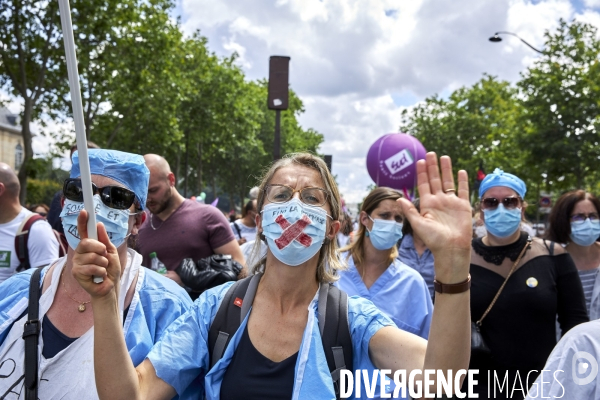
[392, 160]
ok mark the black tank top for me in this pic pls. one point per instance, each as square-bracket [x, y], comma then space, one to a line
[252, 376]
[55, 341]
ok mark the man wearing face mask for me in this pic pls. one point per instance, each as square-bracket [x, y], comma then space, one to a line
[66, 317]
[520, 286]
[374, 272]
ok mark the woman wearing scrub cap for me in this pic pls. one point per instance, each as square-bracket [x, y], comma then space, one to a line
[66, 313]
[298, 216]
[374, 271]
[539, 282]
[574, 221]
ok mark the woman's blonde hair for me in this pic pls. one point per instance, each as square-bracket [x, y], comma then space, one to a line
[329, 262]
[356, 249]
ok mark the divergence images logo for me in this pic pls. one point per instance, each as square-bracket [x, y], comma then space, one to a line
[579, 368]
[399, 161]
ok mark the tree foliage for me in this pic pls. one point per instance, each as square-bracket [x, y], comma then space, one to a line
[146, 88]
[560, 94]
[544, 128]
[475, 126]
[30, 63]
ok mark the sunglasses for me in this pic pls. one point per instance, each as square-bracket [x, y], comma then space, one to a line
[582, 217]
[491, 203]
[116, 197]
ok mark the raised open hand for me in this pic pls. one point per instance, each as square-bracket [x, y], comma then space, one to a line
[444, 223]
[96, 258]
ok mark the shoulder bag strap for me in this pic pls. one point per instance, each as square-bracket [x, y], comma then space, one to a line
[31, 333]
[238, 230]
[514, 267]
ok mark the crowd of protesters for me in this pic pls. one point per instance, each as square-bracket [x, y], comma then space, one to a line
[414, 282]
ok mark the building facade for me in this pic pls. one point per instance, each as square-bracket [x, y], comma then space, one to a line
[11, 143]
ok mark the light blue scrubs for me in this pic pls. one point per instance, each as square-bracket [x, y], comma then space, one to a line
[423, 264]
[400, 292]
[575, 357]
[181, 356]
[157, 302]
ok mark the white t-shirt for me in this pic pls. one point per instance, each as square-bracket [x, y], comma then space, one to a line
[247, 250]
[248, 233]
[42, 245]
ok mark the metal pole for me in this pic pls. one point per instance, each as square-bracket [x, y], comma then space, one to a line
[277, 141]
[84, 162]
[185, 187]
[518, 37]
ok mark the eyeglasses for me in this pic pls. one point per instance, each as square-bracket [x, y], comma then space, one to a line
[43, 214]
[491, 203]
[116, 197]
[310, 195]
[582, 217]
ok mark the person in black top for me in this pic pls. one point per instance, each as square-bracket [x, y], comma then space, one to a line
[520, 326]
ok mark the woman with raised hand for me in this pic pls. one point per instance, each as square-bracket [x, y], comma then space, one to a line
[144, 305]
[374, 271]
[299, 207]
[575, 222]
[520, 285]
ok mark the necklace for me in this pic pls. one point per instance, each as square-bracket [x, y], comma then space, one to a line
[81, 307]
[497, 254]
[152, 225]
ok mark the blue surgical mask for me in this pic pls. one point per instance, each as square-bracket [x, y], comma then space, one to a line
[502, 222]
[585, 233]
[294, 231]
[385, 234]
[115, 221]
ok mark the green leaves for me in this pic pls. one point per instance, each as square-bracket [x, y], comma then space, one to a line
[544, 129]
[145, 88]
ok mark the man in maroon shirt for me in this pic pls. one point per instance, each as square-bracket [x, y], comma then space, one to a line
[178, 228]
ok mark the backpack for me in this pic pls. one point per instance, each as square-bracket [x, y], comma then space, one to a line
[333, 314]
[22, 238]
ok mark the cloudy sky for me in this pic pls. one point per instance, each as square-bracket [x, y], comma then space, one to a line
[356, 64]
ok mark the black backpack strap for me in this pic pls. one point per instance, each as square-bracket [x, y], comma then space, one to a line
[335, 331]
[238, 230]
[231, 313]
[22, 238]
[31, 333]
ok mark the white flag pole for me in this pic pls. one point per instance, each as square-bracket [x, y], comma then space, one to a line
[84, 162]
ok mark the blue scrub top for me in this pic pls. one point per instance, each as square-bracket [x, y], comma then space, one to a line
[156, 304]
[400, 292]
[423, 264]
[181, 357]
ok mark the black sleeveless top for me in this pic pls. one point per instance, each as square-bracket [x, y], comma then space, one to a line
[55, 341]
[252, 376]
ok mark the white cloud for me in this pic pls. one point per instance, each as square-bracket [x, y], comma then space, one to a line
[350, 59]
[592, 3]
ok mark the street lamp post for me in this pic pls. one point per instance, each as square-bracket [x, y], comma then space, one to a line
[496, 38]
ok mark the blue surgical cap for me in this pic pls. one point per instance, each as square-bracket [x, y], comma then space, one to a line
[501, 178]
[126, 168]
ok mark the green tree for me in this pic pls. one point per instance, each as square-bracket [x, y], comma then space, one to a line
[475, 125]
[30, 64]
[560, 95]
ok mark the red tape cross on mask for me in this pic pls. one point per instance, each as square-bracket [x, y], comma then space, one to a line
[293, 232]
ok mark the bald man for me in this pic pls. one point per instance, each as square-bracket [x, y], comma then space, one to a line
[42, 245]
[178, 228]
